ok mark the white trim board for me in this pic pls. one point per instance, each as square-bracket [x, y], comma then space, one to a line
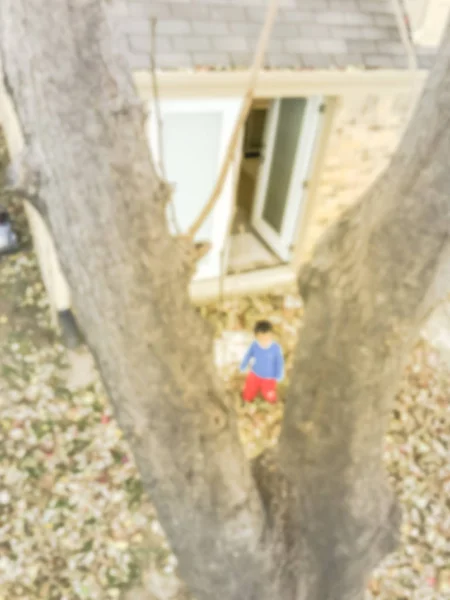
[282, 83]
[253, 282]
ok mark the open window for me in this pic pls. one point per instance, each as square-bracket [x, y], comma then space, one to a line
[267, 180]
[278, 149]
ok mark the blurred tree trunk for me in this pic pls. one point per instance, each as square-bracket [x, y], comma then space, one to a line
[309, 521]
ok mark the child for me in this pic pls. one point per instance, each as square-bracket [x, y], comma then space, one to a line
[267, 365]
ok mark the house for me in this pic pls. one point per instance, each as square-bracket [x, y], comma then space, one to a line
[339, 83]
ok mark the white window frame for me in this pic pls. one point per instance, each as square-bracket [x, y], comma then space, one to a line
[210, 266]
[282, 242]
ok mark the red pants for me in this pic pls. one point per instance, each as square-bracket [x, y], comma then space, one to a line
[255, 385]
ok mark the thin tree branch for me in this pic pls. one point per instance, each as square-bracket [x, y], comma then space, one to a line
[410, 48]
[246, 105]
[156, 103]
[159, 121]
[226, 245]
[405, 34]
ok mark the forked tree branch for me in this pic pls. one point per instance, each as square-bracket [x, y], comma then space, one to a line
[159, 120]
[246, 105]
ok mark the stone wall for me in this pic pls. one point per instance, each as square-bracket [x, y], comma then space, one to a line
[365, 134]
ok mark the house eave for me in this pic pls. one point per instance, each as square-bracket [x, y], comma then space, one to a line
[281, 83]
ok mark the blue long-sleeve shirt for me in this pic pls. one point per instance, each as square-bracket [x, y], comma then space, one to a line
[267, 363]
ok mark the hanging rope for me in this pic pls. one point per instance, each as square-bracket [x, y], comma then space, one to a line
[413, 63]
[246, 105]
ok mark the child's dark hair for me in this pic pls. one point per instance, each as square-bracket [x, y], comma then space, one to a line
[263, 327]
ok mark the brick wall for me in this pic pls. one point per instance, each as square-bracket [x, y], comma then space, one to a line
[365, 134]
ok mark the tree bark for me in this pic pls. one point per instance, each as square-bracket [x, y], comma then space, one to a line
[311, 520]
[373, 279]
[105, 205]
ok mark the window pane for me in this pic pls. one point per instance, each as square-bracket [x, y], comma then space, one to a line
[191, 154]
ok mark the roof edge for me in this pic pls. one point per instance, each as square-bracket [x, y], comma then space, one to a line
[285, 83]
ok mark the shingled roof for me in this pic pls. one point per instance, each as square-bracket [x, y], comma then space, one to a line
[221, 34]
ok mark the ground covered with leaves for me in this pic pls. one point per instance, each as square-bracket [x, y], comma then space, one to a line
[74, 522]
[72, 514]
[417, 450]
